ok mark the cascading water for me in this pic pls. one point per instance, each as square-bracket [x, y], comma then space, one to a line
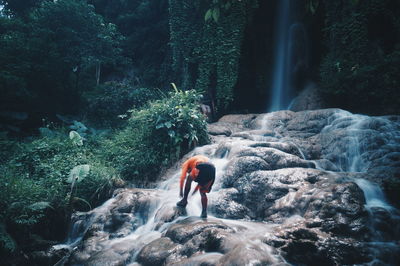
[291, 56]
[267, 198]
[154, 224]
[352, 160]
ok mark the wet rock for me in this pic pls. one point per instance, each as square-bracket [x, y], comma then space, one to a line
[289, 148]
[207, 259]
[218, 129]
[266, 172]
[241, 121]
[252, 253]
[391, 186]
[49, 257]
[156, 252]
[385, 224]
[184, 230]
[239, 166]
[209, 240]
[276, 158]
[308, 99]
[341, 210]
[226, 204]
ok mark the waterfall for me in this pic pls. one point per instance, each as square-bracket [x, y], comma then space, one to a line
[353, 127]
[291, 56]
[138, 222]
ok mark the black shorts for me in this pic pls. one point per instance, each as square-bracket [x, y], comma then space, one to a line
[206, 176]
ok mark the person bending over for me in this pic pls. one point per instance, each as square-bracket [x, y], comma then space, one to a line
[201, 171]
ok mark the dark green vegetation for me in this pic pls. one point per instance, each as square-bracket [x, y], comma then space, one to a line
[53, 53]
[94, 60]
[38, 191]
[361, 69]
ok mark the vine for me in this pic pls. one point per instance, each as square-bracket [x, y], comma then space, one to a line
[206, 39]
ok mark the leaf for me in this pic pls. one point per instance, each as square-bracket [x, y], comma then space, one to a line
[215, 14]
[76, 138]
[314, 5]
[78, 173]
[171, 133]
[78, 126]
[208, 14]
[41, 205]
[174, 86]
[76, 199]
[168, 124]
[46, 132]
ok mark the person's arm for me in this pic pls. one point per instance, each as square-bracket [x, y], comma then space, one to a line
[185, 168]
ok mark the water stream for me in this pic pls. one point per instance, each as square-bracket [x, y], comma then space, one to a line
[152, 225]
[290, 56]
[353, 160]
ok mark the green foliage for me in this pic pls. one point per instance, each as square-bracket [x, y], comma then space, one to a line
[145, 26]
[76, 138]
[113, 99]
[360, 72]
[7, 243]
[35, 179]
[207, 54]
[312, 5]
[157, 135]
[50, 55]
[78, 173]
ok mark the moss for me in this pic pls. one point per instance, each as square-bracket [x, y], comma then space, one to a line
[206, 53]
[360, 71]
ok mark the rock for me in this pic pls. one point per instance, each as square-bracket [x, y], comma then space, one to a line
[341, 210]
[156, 252]
[288, 181]
[206, 259]
[226, 204]
[239, 166]
[218, 129]
[308, 99]
[252, 253]
[49, 257]
[184, 230]
[391, 186]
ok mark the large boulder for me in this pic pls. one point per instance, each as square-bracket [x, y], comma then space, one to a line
[303, 188]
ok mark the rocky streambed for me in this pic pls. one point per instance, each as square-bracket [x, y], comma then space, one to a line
[292, 188]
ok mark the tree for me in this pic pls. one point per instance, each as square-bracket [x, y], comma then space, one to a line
[54, 54]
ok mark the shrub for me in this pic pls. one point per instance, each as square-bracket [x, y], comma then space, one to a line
[157, 135]
[46, 178]
[34, 187]
[116, 98]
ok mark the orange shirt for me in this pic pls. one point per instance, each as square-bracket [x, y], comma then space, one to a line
[190, 166]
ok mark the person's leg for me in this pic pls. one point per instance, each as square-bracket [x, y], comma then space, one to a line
[188, 185]
[204, 202]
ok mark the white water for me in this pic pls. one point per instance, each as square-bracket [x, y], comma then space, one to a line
[354, 162]
[155, 226]
[291, 55]
[249, 233]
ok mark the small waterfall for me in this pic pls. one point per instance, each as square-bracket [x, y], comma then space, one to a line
[291, 56]
[374, 196]
[353, 127]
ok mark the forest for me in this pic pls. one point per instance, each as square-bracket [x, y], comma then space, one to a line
[103, 100]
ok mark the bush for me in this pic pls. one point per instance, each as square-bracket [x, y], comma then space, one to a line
[34, 188]
[116, 98]
[44, 179]
[157, 135]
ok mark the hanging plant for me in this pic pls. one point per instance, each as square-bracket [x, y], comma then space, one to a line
[312, 6]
